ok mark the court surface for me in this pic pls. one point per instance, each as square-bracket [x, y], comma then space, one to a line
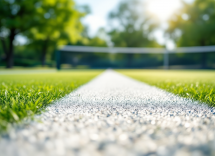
[116, 115]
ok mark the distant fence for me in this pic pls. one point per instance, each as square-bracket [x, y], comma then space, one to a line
[165, 52]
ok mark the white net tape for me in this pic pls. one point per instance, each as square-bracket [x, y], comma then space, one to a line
[137, 50]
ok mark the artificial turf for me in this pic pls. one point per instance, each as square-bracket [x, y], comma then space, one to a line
[194, 84]
[23, 96]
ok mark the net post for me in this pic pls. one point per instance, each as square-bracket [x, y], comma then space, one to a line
[57, 52]
[166, 60]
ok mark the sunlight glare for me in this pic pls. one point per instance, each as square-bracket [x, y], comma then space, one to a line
[162, 9]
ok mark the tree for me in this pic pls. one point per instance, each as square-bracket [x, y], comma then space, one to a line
[46, 23]
[61, 24]
[193, 25]
[16, 17]
[131, 26]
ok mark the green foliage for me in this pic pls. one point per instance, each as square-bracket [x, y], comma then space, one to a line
[196, 85]
[19, 14]
[96, 41]
[87, 40]
[47, 24]
[131, 26]
[16, 16]
[194, 24]
[23, 96]
[61, 24]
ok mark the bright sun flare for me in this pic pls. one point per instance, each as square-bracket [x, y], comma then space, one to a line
[162, 9]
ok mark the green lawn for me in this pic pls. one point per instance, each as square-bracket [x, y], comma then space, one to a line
[23, 96]
[193, 84]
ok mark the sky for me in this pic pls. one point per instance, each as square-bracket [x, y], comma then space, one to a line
[99, 13]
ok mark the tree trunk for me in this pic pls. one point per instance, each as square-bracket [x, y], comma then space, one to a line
[4, 46]
[10, 53]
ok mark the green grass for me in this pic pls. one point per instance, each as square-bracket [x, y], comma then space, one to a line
[194, 84]
[22, 96]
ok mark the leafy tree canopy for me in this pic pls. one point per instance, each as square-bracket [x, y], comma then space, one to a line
[193, 24]
[46, 23]
[61, 24]
[131, 26]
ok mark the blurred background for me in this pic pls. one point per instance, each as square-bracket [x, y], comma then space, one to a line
[31, 31]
